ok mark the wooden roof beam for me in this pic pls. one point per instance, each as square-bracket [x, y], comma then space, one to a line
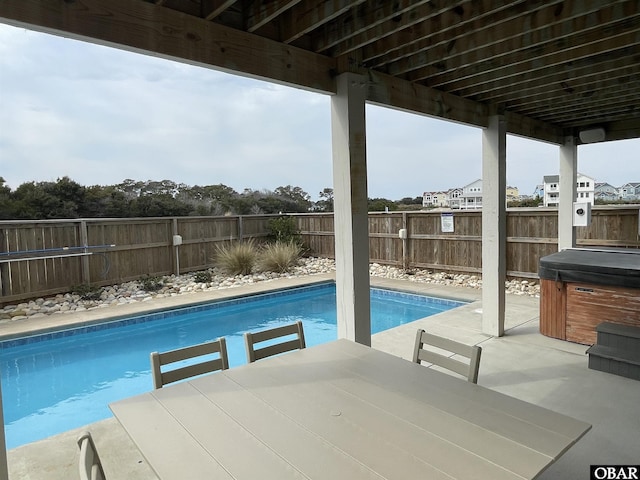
[610, 95]
[359, 19]
[144, 28]
[389, 91]
[550, 43]
[564, 82]
[506, 31]
[510, 76]
[309, 15]
[260, 13]
[439, 30]
[623, 130]
[388, 18]
[214, 8]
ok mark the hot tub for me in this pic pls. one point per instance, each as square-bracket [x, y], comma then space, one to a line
[581, 288]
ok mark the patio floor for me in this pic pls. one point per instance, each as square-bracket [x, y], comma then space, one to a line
[524, 364]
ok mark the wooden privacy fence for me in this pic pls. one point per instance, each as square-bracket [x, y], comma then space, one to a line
[40, 258]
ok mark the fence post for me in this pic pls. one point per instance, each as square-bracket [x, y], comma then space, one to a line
[240, 228]
[176, 252]
[405, 241]
[84, 262]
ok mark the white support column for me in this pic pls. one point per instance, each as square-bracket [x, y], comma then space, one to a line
[494, 225]
[568, 178]
[351, 216]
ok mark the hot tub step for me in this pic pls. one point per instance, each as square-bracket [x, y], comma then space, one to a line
[625, 363]
[623, 337]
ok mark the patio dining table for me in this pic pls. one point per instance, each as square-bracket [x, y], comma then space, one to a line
[342, 410]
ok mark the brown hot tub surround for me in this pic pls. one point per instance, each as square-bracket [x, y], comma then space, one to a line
[581, 288]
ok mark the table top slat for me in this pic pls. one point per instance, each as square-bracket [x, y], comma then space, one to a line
[164, 443]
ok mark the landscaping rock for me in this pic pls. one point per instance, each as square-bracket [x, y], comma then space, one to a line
[173, 285]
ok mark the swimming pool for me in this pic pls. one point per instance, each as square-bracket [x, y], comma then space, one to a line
[62, 380]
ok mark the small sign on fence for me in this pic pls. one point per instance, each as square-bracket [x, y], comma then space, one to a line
[446, 222]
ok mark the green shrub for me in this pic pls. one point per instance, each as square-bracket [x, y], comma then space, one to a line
[202, 277]
[236, 259]
[150, 283]
[284, 229]
[86, 291]
[279, 257]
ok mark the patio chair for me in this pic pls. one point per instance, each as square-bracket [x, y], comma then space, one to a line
[471, 352]
[158, 360]
[89, 466]
[253, 338]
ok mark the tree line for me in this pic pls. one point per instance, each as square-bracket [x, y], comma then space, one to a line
[66, 198]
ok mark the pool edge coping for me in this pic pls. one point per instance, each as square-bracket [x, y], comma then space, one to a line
[105, 314]
[79, 319]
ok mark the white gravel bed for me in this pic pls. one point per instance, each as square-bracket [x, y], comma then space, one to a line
[173, 285]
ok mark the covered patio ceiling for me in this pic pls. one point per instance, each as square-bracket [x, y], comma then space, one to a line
[552, 68]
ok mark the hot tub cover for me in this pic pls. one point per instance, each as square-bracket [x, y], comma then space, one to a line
[619, 267]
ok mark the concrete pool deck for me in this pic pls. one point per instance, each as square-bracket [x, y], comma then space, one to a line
[524, 364]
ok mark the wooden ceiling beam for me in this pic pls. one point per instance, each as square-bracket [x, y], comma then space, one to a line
[214, 8]
[552, 45]
[310, 15]
[581, 90]
[591, 55]
[361, 18]
[528, 127]
[392, 92]
[564, 82]
[618, 107]
[587, 121]
[144, 28]
[443, 28]
[623, 129]
[260, 13]
[390, 18]
[505, 32]
[189, 7]
[389, 91]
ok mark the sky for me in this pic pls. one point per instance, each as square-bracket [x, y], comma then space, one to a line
[100, 115]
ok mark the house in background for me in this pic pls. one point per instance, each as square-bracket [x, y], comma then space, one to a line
[629, 191]
[538, 191]
[605, 191]
[551, 189]
[585, 189]
[512, 194]
[427, 199]
[453, 197]
[435, 199]
[471, 198]
[466, 198]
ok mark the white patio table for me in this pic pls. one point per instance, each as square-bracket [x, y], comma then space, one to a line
[341, 410]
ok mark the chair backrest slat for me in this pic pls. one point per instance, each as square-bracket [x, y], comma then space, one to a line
[158, 360]
[471, 352]
[254, 338]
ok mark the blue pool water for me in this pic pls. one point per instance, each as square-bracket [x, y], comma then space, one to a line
[63, 380]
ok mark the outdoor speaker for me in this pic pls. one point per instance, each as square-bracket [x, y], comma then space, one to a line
[593, 135]
[581, 214]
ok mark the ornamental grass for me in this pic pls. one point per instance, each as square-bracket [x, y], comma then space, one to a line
[279, 257]
[236, 259]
